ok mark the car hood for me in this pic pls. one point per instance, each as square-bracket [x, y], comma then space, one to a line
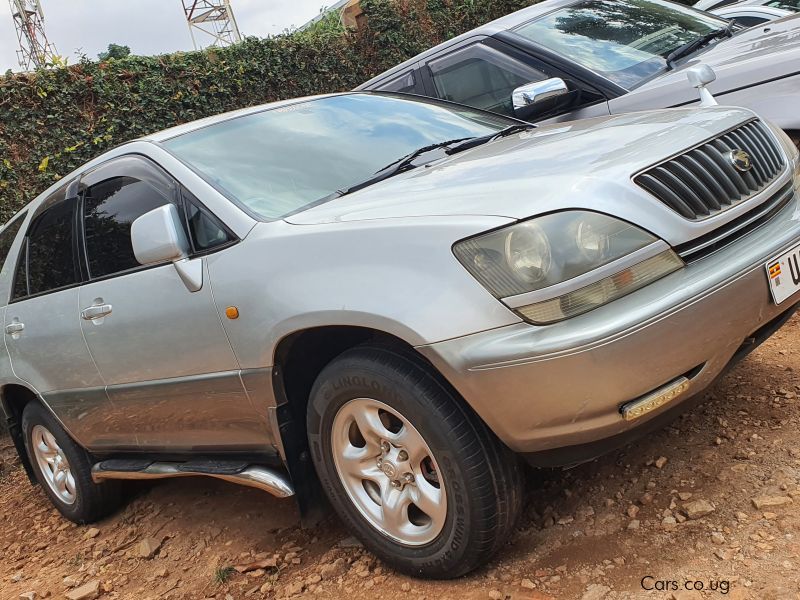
[581, 164]
[753, 56]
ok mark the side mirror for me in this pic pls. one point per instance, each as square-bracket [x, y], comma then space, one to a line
[541, 97]
[157, 236]
[700, 76]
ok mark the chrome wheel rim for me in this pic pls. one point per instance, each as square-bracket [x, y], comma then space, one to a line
[389, 472]
[53, 464]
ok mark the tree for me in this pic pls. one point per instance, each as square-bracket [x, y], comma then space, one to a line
[115, 51]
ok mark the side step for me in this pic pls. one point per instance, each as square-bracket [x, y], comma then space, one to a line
[258, 476]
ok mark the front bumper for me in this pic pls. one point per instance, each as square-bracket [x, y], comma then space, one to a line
[541, 388]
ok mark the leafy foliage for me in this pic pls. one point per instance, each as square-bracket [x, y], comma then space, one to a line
[115, 51]
[54, 120]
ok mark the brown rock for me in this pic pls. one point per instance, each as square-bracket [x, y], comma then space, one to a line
[259, 564]
[87, 591]
[595, 592]
[764, 501]
[696, 509]
[334, 569]
[147, 548]
[293, 588]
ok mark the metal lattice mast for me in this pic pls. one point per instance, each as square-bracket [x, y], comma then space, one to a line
[35, 51]
[214, 18]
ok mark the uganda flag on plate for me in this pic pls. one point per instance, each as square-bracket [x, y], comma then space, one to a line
[783, 275]
[774, 270]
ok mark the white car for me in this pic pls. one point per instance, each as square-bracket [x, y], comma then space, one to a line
[750, 15]
[712, 5]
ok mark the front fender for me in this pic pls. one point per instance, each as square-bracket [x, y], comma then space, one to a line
[398, 276]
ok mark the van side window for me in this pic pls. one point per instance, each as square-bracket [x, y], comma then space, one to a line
[109, 209]
[482, 77]
[48, 262]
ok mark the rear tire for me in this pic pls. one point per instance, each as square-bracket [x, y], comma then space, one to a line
[415, 475]
[64, 469]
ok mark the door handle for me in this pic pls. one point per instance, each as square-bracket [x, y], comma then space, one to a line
[13, 328]
[96, 312]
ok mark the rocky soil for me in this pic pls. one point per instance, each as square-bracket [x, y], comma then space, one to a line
[711, 502]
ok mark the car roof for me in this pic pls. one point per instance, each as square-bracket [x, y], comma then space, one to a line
[502, 24]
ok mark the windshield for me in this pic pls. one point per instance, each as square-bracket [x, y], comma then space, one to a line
[279, 161]
[624, 40]
[792, 5]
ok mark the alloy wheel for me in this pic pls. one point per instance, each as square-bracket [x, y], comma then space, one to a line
[389, 471]
[53, 464]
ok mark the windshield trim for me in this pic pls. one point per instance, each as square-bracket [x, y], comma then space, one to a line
[220, 189]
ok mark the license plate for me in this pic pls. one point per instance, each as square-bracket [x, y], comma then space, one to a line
[783, 274]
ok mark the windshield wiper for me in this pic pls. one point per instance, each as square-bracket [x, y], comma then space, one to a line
[404, 163]
[693, 46]
[478, 141]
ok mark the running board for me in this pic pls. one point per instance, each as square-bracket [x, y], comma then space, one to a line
[258, 476]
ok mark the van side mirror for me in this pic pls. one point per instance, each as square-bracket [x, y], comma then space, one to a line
[157, 236]
[541, 97]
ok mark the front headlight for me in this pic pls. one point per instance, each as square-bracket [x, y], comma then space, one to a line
[563, 264]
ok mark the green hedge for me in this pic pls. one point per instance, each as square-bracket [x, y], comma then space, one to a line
[54, 120]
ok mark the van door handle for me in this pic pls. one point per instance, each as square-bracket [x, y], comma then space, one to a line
[15, 327]
[96, 312]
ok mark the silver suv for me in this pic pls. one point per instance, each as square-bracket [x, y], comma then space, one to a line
[389, 300]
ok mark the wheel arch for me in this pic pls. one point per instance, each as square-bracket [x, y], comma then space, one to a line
[14, 397]
[299, 359]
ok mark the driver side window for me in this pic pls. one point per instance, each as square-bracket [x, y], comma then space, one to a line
[109, 209]
[481, 77]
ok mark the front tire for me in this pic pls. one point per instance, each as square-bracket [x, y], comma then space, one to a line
[64, 469]
[411, 472]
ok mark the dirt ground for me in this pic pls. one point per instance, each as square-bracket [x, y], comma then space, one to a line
[710, 502]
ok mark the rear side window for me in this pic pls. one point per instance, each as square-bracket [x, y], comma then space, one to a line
[7, 237]
[48, 261]
[109, 209]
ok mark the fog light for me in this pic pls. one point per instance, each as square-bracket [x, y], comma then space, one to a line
[650, 402]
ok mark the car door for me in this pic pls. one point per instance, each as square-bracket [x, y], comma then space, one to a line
[157, 337]
[42, 329]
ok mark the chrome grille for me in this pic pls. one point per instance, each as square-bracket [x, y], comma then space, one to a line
[704, 181]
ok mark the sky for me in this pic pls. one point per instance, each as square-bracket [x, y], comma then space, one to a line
[147, 26]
